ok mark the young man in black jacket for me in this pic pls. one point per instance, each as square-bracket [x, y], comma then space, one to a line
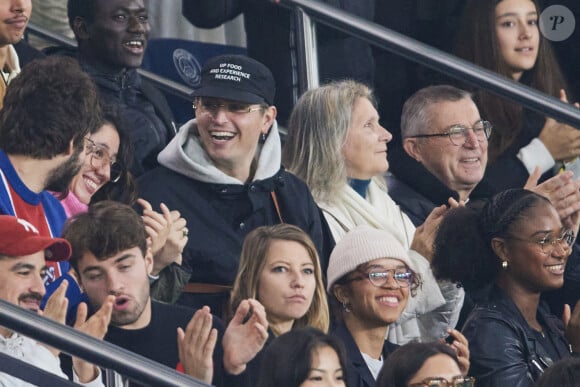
[112, 37]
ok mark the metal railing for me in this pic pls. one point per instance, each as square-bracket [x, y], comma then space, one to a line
[304, 10]
[96, 351]
[162, 83]
[307, 56]
[106, 355]
[428, 56]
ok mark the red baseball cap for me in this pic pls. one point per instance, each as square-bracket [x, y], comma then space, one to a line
[19, 237]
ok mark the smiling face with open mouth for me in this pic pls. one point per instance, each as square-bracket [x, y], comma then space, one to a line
[530, 265]
[374, 306]
[460, 168]
[118, 35]
[231, 137]
[94, 174]
[518, 36]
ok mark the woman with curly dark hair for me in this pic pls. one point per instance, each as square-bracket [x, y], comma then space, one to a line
[508, 252]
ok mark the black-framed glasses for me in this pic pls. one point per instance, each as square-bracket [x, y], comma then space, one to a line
[380, 277]
[548, 243]
[458, 133]
[212, 107]
[457, 381]
[100, 157]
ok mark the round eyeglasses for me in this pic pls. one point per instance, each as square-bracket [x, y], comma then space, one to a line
[211, 107]
[458, 133]
[380, 277]
[457, 381]
[549, 243]
[100, 157]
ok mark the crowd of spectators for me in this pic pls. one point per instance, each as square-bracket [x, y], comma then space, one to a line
[225, 252]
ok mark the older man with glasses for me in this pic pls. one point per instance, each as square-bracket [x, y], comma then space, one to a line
[445, 142]
[222, 172]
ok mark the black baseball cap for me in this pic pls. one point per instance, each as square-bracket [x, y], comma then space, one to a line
[237, 78]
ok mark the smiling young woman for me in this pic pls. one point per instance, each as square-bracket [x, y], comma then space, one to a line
[503, 36]
[506, 254]
[370, 277]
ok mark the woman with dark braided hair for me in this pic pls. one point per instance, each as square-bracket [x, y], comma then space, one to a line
[508, 252]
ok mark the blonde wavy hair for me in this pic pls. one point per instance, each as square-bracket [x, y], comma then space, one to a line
[253, 260]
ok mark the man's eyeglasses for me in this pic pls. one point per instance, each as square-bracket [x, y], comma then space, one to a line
[380, 277]
[100, 157]
[457, 381]
[458, 133]
[548, 244]
[211, 107]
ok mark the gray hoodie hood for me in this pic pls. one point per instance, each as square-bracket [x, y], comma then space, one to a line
[185, 155]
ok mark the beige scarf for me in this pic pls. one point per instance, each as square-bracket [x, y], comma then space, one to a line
[378, 210]
[10, 71]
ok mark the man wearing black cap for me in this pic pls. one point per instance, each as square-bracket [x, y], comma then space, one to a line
[222, 172]
[23, 256]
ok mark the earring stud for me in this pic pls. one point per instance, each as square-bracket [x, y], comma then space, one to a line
[345, 307]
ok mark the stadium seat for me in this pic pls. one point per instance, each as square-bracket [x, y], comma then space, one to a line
[181, 60]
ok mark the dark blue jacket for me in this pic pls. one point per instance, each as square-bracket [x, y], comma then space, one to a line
[219, 216]
[357, 372]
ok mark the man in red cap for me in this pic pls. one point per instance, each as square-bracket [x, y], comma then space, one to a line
[23, 256]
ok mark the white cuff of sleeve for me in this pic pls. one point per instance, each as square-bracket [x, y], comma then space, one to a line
[96, 382]
[152, 278]
[535, 154]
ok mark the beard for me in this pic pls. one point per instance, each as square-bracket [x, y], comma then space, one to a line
[137, 305]
[60, 177]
